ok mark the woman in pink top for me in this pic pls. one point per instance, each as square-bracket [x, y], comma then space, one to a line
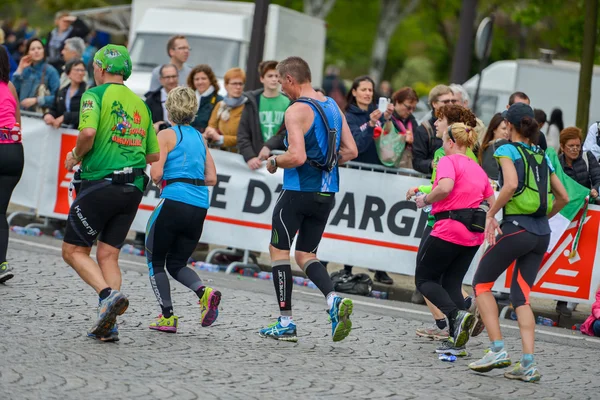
[591, 326]
[460, 187]
[11, 155]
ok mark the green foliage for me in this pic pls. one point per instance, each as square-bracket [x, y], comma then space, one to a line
[417, 71]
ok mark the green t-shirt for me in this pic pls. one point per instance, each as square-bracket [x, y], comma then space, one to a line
[271, 111]
[439, 153]
[124, 131]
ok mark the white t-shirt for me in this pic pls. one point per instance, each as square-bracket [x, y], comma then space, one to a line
[590, 143]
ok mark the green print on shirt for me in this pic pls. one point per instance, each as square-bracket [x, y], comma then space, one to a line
[271, 111]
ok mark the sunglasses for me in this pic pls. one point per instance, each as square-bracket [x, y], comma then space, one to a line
[409, 108]
[448, 101]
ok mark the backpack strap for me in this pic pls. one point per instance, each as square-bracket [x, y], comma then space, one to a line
[332, 153]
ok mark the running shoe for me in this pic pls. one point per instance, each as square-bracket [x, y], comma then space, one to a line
[113, 335]
[433, 332]
[5, 272]
[280, 332]
[462, 326]
[448, 347]
[491, 360]
[165, 324]
[340, 318]
[529, 374]
[115, 304]
[478, 325]
[209, 306]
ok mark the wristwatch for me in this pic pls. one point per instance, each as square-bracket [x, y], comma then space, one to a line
[274, 162]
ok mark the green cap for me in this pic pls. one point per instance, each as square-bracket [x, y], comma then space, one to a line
[114, 59]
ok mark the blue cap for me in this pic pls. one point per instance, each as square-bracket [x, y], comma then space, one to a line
[516, 112]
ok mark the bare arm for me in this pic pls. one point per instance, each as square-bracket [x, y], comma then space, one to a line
[166, 142]
[85, 141]
[13, 90]
[509, 186]
[210, 170]
[441, 191]
[561, 197]
[348, 149]
[298, 118]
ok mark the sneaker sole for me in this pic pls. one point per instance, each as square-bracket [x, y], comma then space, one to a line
[344, 326]
[494, 365]
[169, 329]
[280, 338]
[429, 336]
[213, 309]
[6, 277]
[104, 325]
[459, 353]
[463, 333]
[110, 338]
[478, 327]
[535, 378]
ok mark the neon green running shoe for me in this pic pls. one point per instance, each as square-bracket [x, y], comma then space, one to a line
[5, 272]
[209, 306]
[165, 324]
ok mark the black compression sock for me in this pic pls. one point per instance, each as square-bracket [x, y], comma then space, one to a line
[283, 282]
[317, 273]
[468, 302]
[167, 312]
[104, 293]
[200, 292]
[441, 323]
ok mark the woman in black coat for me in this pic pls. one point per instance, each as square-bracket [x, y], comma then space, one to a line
[65, 110]
[581, 166]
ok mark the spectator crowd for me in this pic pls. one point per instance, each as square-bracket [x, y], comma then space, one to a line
[51, 73]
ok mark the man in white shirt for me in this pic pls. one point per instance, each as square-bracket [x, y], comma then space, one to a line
[178, 50]
[591, 140]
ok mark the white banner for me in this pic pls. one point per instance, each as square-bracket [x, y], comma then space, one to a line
[371, 225]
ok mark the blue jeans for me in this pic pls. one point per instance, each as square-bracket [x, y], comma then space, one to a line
[596, 327]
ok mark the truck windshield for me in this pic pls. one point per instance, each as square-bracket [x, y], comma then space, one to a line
[149, 51]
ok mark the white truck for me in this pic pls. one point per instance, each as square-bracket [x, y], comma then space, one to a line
[219, 34]
[549, 85]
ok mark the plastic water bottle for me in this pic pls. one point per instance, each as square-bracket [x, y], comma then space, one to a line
[376, 294]
[129, 249]
[427, 208]
[484, 206]
[58, 234]
[447, 357]
[21, 230]
[298, 280]
[264, 275]
[311, 285]
[513, 315]
[545, 321]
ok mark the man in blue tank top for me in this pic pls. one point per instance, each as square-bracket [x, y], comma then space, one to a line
[318, 140]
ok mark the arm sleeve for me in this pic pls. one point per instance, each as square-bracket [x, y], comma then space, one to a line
[244, 135]
[151, 140]
[421, 160]
[362, 133]
[89, 116]
[594, 170]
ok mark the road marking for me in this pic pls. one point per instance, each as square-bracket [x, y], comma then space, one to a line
[314, 294]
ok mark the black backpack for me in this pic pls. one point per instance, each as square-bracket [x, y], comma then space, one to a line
[354, 284]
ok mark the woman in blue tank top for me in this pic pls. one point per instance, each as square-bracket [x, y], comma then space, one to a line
[185, 170]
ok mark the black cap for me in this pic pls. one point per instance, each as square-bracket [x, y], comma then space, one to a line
[516, 112]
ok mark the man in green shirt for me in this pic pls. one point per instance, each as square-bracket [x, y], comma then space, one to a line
[115, 142]
[262, 117]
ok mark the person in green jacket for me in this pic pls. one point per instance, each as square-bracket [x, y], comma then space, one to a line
[446, 116]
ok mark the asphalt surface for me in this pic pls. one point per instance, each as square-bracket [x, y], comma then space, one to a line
[47, 309]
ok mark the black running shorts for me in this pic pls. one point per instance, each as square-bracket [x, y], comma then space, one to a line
[103, 211]
[303, 212]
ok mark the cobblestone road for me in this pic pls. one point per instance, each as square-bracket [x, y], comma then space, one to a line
[46, 311]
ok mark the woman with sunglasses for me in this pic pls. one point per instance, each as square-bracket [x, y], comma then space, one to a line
[11, 154]
[405, 102]
[459, 189]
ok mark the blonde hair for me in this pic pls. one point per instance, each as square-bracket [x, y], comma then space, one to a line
[437, 91]
[182, 105]
[463, 135]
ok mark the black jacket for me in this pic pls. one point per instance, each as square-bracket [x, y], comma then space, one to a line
[579, 171]
[60, 108]
[424, 147]
[358, 122]
[154, 103]
[249, 135]
[205, 109]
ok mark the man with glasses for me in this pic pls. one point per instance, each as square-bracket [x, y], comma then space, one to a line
[425, 140]
[156, 100]
[178, 50]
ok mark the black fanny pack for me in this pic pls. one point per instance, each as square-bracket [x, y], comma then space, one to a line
[472, 218]
[127, 175]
